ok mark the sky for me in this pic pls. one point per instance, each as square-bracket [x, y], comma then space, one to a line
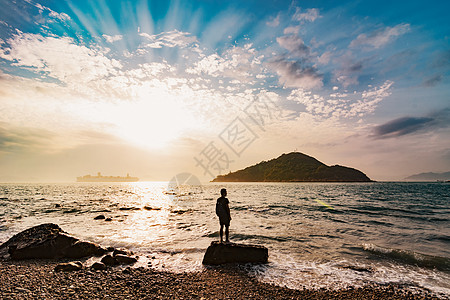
[159, 88]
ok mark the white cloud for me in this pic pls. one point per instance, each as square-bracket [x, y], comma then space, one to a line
[380, 38]
[324, 58]
[172, 38]
[51, 13]
[60, 16]
[310, 14]
[341, 105]
[347, 79]
[59, 58]
[296, 74]
[370, 99]
[294, 44]
[112, 38]
[237, 62]
[291, 30]
[275, 21]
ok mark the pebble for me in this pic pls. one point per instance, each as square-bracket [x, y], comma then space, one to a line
[146, 283]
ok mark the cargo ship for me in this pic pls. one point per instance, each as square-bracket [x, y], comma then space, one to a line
[101, 178]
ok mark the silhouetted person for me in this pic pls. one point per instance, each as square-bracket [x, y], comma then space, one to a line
[223, 212]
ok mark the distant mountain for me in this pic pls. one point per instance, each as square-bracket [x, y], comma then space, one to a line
[430, 176]
[294, 167]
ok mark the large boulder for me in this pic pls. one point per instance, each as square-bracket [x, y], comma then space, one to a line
[47, 241]
[219, 253]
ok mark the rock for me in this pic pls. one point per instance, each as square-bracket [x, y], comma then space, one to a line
[129, 208]
[98, 266]
[69, 267]
[358, 269]
[180, 211]
[109, 260]
[125, 260]
[57, 205]
[218, 253]
[82, 249]
[100, 217]
[122, 251]
[47, 241]
[151, 208]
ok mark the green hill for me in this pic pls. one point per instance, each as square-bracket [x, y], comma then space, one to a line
[294, 167]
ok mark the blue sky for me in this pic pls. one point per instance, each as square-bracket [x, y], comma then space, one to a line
[153, 83]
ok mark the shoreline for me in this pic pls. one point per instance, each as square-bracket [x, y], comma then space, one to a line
[33, 279]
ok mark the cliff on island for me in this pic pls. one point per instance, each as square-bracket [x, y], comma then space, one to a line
[294, 167]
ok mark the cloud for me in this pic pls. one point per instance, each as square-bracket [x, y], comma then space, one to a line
[171, 39]
[58, 57]
[310, 15]
[112, 38]
[296, 74]
[441, 60]
[59, 16]
[349, 70]
[324, 58]
[236, 62]
[294, 45]
[341, 105]
[275, 21]
[23, 139]
[370, 99]
[379, 38]
[291, 30]
[409, 125]
[401, 126]
[432, 81]
[51, 13]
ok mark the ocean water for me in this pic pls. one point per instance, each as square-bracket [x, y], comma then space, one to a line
[319, 234]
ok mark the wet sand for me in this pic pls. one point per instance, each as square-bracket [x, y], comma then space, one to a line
[37, 280]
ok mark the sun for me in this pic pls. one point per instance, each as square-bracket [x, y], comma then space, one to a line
[152, 120]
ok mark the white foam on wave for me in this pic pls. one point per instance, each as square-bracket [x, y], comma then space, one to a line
[306, 274]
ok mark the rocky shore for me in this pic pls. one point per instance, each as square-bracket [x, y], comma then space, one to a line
[43, 262]
[37, 279]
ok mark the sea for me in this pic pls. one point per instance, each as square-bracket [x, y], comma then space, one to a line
[319, 235]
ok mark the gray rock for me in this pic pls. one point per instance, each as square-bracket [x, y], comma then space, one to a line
[218, 253]
[47, 241]
[69, 267]
[125, 260]
[98, 266]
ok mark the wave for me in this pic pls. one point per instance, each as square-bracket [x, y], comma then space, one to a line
[410, 257]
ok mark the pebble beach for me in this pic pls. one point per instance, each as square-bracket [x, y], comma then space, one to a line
[36, 279]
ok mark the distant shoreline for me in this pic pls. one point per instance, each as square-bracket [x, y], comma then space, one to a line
[206, 182]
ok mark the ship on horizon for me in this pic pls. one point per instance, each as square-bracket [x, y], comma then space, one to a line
[101, 178]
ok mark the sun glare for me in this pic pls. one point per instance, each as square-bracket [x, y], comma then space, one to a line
[153, 120]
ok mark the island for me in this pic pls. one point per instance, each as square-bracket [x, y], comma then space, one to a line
[294, 167]
[429, 176]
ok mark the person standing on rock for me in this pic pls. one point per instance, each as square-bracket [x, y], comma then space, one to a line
[223, 212]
